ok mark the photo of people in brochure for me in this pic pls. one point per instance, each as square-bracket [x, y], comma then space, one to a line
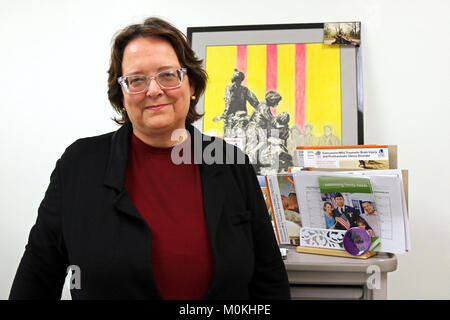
[289, 199]
[342, 211]
[265, 192]
[291, 210]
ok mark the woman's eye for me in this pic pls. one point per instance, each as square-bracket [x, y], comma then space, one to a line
[136, 80]
[167, 75]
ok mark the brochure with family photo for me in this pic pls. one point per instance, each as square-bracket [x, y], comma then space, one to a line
[341, 204]
[339, 201]
[284, 207]
[390, 193]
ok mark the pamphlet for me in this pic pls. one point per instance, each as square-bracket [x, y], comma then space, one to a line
[347, 157]
[284, 208]
[379, 199]
[382, 210]
[387, 205]
[398, 203]
[342, 199]
[265, 192]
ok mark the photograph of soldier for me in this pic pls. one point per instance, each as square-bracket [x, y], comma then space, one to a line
[340, 38]
[236, 98]
[348, 213]
[344, 33]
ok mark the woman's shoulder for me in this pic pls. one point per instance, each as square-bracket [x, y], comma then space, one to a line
[88, 147]
[90, 142]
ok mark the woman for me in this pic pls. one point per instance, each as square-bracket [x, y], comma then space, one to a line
[135, 222]
[328, 214]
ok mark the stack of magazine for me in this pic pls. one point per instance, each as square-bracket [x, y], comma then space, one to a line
[313, 208]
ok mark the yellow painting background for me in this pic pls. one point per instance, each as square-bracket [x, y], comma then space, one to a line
[322, 92]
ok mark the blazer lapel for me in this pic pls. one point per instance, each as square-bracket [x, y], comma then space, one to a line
[118, 156]
[213, 194]
[213, 197]
[124, 204]
[116, 170]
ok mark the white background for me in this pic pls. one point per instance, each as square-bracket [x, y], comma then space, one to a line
[53, 62]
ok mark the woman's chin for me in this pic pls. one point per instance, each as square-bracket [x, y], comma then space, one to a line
[160, 124]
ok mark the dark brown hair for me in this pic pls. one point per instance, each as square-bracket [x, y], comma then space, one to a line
[155, 27]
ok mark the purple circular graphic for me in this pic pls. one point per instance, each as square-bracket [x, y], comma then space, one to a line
[357, 241]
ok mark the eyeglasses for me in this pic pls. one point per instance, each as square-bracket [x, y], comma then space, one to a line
[166, 79]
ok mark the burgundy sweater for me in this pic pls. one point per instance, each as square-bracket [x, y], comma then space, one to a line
[169, 198]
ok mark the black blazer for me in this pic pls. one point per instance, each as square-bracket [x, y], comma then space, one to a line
[87, 219]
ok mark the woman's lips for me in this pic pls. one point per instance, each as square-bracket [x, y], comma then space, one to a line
[156, 107]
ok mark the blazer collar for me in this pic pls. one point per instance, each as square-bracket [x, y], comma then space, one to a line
[209, 174]
[118, 156]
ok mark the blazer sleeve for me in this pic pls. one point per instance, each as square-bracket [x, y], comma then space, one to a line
[43, 267]
[270, 279]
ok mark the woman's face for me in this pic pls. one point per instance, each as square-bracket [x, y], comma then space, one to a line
[328, 208]
[155, 111]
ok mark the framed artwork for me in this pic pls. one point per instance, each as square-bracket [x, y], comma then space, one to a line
[274, 87]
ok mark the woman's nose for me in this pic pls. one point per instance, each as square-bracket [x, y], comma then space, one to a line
[154, 89]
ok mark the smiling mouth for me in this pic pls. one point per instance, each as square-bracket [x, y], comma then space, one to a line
[156, 107]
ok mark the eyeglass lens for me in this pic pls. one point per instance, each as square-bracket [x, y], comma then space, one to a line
[166, 79]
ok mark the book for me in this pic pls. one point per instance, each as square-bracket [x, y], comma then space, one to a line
[348, 157]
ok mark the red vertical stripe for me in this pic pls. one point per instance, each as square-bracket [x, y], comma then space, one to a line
[271, 70]
[241, 61]
[300, 85]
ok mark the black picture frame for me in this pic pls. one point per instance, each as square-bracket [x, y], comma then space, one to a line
[351, 78]
[351, 94]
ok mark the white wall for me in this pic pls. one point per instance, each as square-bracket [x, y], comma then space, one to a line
[53, 61]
